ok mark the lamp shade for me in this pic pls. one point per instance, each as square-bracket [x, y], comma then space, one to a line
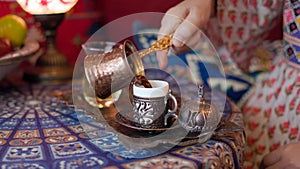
[38, 7]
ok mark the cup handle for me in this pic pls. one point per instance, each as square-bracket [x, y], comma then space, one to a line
[172, 112]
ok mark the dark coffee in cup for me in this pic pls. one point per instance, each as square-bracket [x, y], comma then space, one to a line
[138, 80]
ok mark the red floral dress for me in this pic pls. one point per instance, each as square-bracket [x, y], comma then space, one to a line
[241, 26]
[272, 112]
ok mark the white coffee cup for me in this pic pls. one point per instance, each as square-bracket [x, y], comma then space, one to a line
[150, 104]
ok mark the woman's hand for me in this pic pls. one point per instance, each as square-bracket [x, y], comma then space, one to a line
[184, 22]
[287, 156]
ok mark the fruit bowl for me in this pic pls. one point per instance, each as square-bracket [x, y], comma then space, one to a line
[11, 61]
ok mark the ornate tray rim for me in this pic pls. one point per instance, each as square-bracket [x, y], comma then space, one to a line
[29, 48]
[119, 118]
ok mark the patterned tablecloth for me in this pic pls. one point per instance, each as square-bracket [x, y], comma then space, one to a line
[39, 128]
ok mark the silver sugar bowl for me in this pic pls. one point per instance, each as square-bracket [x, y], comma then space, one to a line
[199, 117]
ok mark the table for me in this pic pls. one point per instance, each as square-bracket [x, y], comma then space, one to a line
[39, 128]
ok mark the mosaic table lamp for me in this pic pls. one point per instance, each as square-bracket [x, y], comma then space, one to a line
[52, 65]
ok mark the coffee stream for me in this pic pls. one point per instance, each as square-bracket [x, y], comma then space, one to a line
[138, 80]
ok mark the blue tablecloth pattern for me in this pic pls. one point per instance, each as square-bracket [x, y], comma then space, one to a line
[39, 128]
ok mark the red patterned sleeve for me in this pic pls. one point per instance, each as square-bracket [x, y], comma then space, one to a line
[244, 24]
